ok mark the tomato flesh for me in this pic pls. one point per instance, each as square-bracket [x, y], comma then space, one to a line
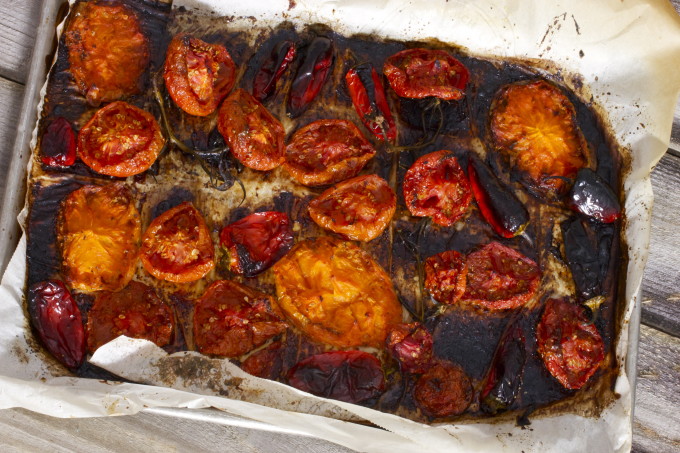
[411, 346]
[446, 276]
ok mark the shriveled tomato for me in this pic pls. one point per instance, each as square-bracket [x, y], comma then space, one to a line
[120, 140]
[198, 75]
[446, 276]
[257, 241]
[326, 152]
[350, 376]
[435, 186]
[136, 312]
[500, 278]
[98, 232]
[254, 135]
[336, 293]
[534, 126]
[58, 321]
[421, 73]
[231, 319]
[411, 345]
[177, 246]
[571, 348]
[443, 390]
[359, 208]
[107, 50]
[58, 144]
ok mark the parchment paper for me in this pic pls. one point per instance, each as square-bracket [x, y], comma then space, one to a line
[627, 53]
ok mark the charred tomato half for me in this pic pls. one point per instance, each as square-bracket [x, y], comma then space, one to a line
[443, 390]
[446, 276]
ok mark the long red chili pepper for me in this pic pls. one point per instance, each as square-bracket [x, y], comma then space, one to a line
[368, 96]
[311, 75]
[264, 83]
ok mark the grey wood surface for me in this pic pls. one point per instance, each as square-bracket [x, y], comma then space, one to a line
[657, 411]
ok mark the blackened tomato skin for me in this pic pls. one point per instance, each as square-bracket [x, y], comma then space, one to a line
[257, 241]
[446, 276]
[57, 319]
[443, 390]
[435, 186]
[350, 376]
[58, 144]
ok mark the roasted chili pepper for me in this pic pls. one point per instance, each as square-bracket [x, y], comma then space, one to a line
[264, 83]
[311, 75]
[411, 346]
[58, 145]
[499, 206]
[58, 321]
[368, 96]
[504, 379]
[592, 196]
[351, 376]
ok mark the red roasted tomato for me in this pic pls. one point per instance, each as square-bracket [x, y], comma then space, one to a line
[256, 241]
[177, 246]
[231, 319]
[136, 312]
[571, 348]
[326, 152]
[58, 144]
[500, 278]
[359, 208]
[421, 73]
[443, 390]
[446, 276]
[254, 135]
[107, 51]
[435, 186]
[411, 345]
[198, 75]
[120, 140]
[266, 363]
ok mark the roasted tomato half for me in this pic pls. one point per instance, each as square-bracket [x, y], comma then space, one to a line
[120, 140]
[136, 312]
[435, 186]
[177, 246]
[231, 319]
[411, 346]
[107, 51]
[500, 278]
[350, 376]
[421, 73]
[257, 241]
[571, 348]
[254, 135]
[98, 233]
[446, 276]
[443, 390]
[267, 363]
[359, 208]
[326, 152]
[534, 126]
[336, 293]
[198, 75]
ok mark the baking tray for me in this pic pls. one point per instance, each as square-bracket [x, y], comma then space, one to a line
[52, 13]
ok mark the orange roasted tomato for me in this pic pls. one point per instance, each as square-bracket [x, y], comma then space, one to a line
[336, 293]
[359, 208]
[435, 186]
[254, 135]
[326, 152]
[500, 278]
[107, 51]
[177, 246]
[231, 319]
[446, 276]
[198, 75]
[136, 312]
[534, 126]
[120, 140]
[571, 347]
[444, 390]
[98, 233]
[421, 73]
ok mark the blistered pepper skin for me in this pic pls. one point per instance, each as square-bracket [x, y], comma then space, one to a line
[264, 84]
[368, 96]
[592, 197]
[311, 76]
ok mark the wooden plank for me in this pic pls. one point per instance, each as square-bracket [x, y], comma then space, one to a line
[656, 427]
[661, 285]
[10, 99]
[18, 19]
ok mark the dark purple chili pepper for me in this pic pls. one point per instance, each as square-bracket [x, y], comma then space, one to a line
[504, 379]
[58, 144]
[592, 196]
[310, 76]
[272, 69]
[368, 96]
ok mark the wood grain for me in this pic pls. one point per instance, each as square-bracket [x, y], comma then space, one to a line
[18, 19]
[10, 99]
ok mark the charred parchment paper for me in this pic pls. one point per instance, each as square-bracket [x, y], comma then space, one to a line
[626, 55]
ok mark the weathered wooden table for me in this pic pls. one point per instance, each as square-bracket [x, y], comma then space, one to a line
[657, 409]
